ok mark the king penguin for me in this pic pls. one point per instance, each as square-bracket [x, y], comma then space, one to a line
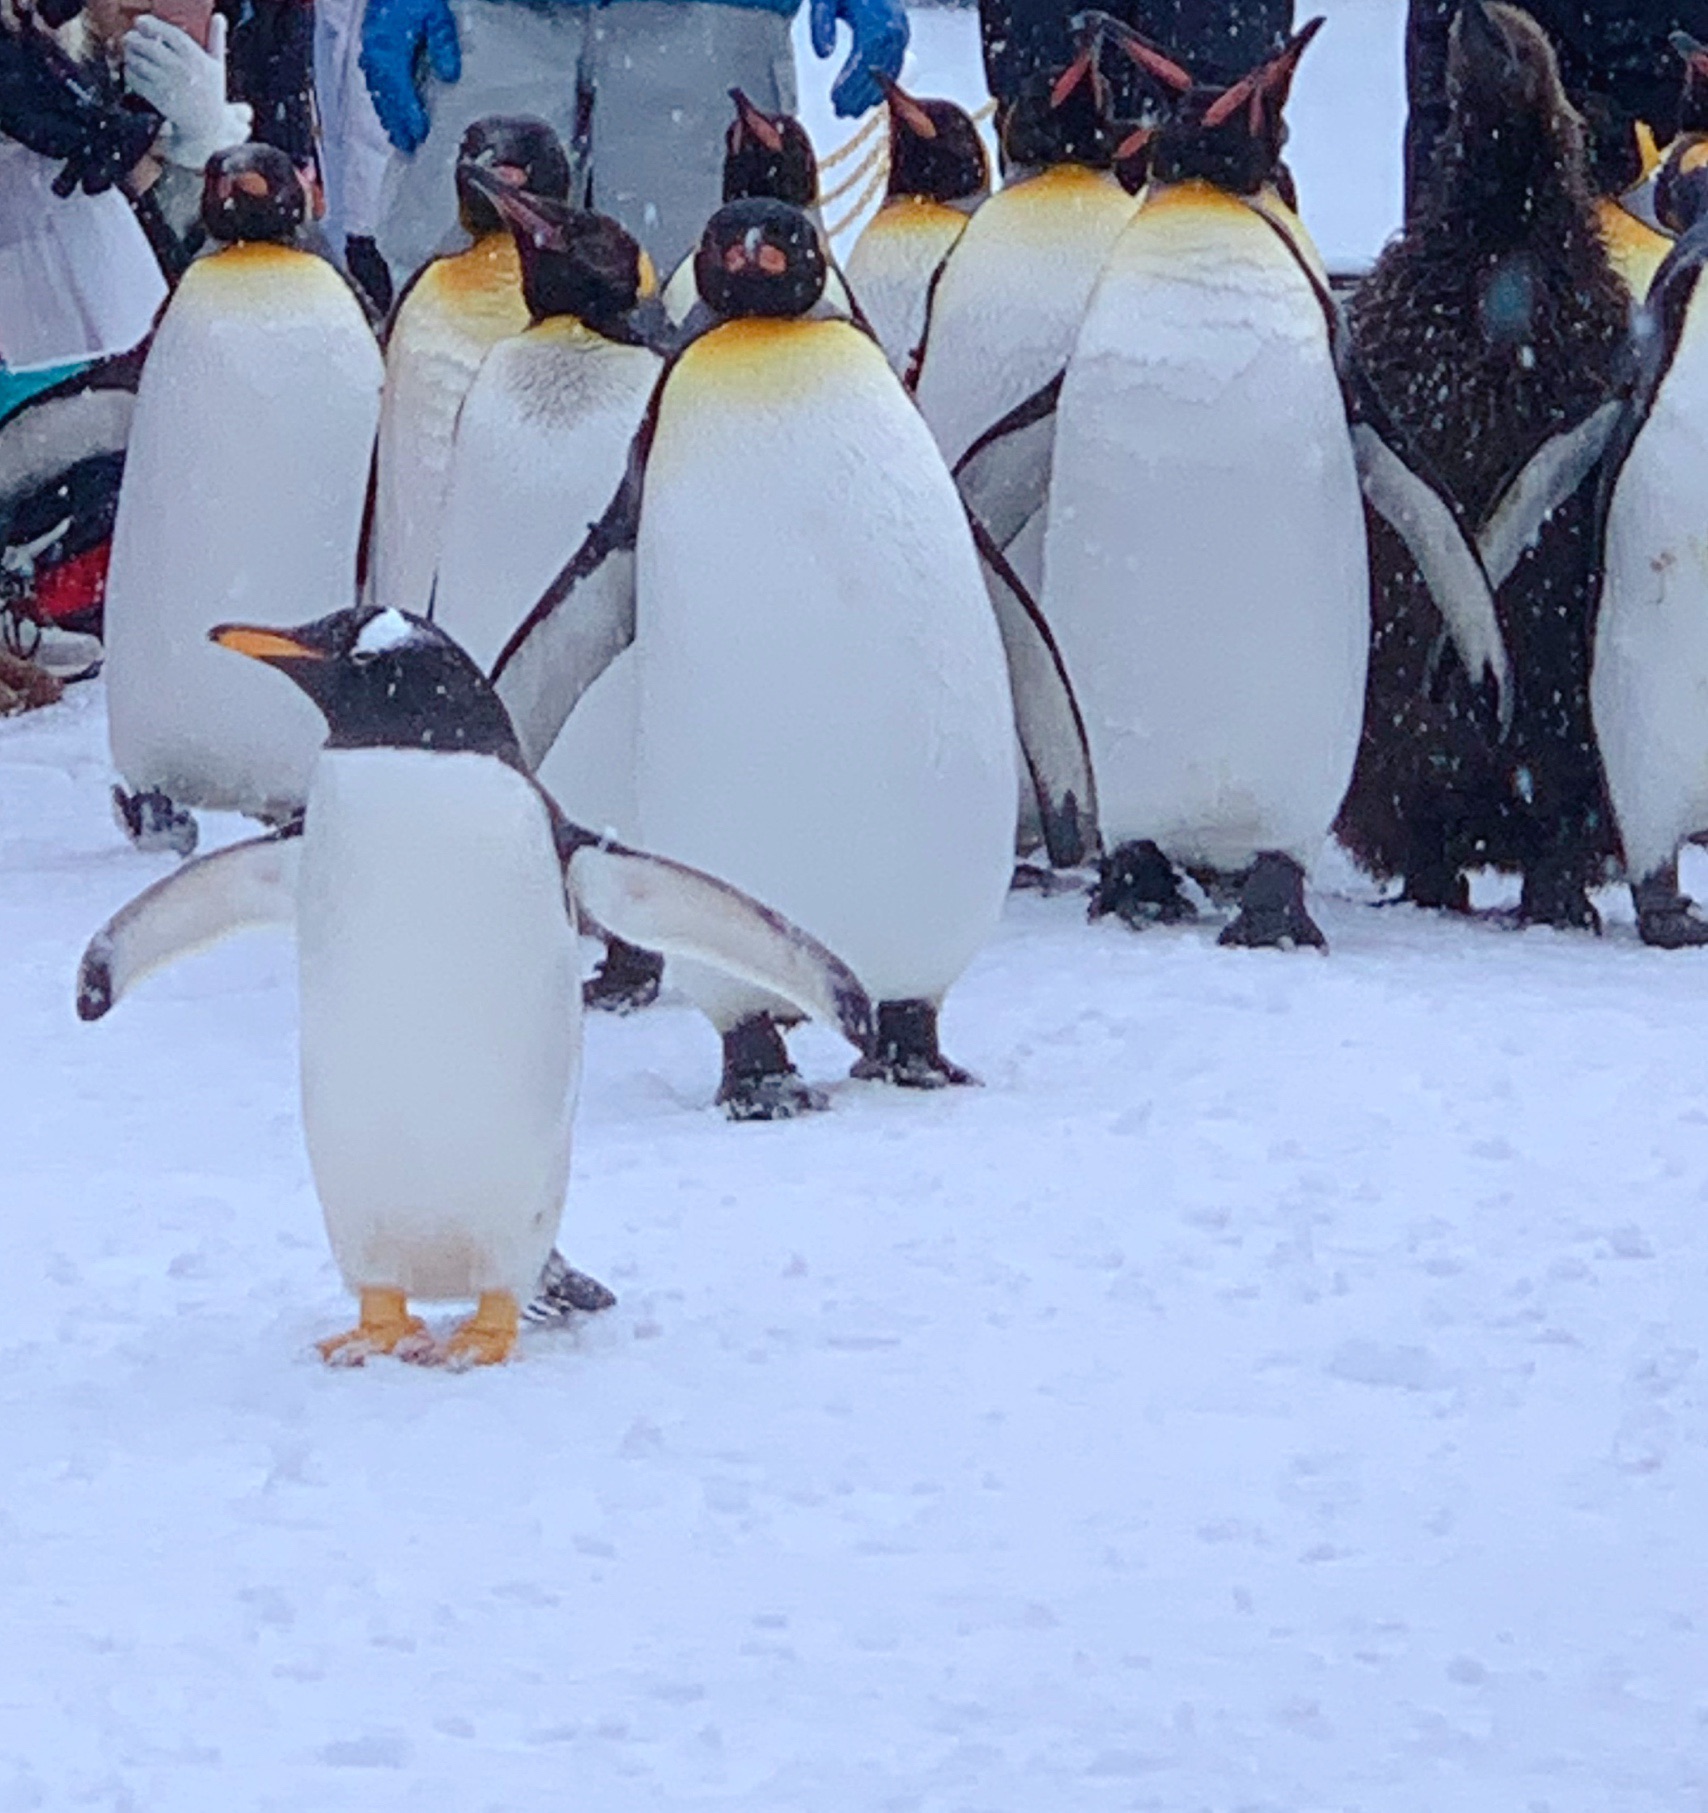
[767, 157]
[541, 444]
[1494, 329]
[453, 313]
[939, 176]
[825, 714]
[436, 892]
[1008, 299]
[1206, 453]
[244, 483]
[1618, 149]
[1681, 183]
[1649, 682]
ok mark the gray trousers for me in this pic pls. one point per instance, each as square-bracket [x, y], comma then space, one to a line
[646, 83]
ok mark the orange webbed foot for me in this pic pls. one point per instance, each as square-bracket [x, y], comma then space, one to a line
[386, 1326]
[488, 1337]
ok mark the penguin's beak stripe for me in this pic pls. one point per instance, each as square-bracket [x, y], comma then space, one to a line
[263, 644]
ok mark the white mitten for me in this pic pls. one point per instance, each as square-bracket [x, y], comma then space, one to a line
[186, 86]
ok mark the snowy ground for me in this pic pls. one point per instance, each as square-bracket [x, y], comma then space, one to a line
[1278, 1388]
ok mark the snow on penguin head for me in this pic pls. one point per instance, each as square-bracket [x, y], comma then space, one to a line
[383, 679]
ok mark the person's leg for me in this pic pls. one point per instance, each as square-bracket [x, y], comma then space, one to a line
[517, 59]
[660, 72]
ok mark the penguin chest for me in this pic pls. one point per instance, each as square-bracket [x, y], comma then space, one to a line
[242, 497]
[891, 267]
[1205, 564]
[441, 1020]
[1011, 298]
[1649, 681]
[825, 718]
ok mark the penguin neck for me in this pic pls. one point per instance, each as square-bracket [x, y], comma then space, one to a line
[1502, 191]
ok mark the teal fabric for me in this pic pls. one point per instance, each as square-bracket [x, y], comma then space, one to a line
[17, 387]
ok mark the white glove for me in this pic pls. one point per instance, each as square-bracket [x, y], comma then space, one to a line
[186, 86]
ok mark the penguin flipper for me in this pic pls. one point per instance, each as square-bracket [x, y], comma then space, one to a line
[1004, 476]
[248, 884]
[584, 620]
[1046, 713]
[1547, 480]
[1446, 557]
[665, 906]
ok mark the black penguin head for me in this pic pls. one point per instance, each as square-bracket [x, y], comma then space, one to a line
[252, 192]
[760, 257]
[384, 680]
[514, 149]
[573, 262]
[1230, 136]
[768, 154]
[1693, 93]
[935, 149]
[1061, 117]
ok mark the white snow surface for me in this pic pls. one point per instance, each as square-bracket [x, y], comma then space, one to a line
[1278, 1388]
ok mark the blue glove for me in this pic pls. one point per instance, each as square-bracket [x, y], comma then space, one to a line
[393, 35]
[880, 43]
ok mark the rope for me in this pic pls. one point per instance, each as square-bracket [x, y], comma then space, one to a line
[855, 139]
[860, 206]
[857, 175]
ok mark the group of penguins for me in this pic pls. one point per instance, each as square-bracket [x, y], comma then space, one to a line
[719, 618]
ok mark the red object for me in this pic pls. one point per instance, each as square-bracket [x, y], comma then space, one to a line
[77, 585]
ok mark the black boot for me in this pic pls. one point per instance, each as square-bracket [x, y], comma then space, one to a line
[152, 822]
[759, 1083]
[1272, 908]
[1138, 885]
[626, 980]
[1557, 897]
[905, 1050]
[1666, 918]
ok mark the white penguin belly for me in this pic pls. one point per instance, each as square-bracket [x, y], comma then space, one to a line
[1205, 567]
[1012, 296]
[460, 308]
[825, 719]
[242, 499]
[891, 267]
[1649, 682]
[541, 447]
[441, 1020]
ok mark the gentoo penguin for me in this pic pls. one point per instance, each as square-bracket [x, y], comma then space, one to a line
[767, 156]
[436, 893]
[541, 444]
[1492, 329]
[1649, 682]
[1008, 300]
[824, 710]
[244, 484]
[450, 316]
[939, 175]
[1205, 559]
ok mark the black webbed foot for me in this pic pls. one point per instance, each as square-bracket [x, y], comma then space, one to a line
[563, 1292]
[1137, 883]
[1442, 889]
[905, 1051]
[1666, 918]
[759, 1081]
[1272, 912]
[152, 822]
[626, 980]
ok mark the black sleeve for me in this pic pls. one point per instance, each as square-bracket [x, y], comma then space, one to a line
[46, 105]
[270, 63]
